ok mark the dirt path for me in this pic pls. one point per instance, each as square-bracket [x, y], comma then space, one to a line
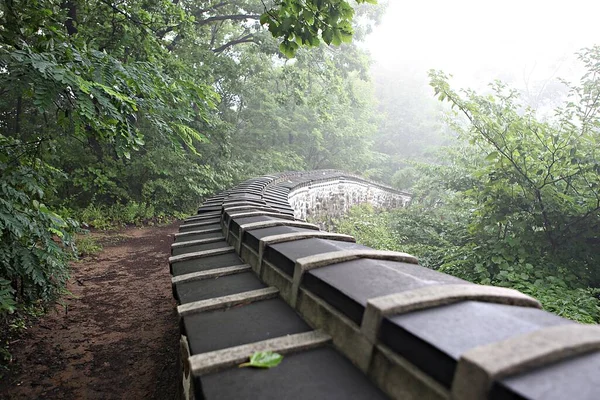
[118, 336]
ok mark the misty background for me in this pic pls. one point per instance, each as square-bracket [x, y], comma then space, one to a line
[531, 46]
[520, 42]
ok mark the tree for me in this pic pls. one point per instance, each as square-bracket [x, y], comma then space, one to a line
[122, 104]
[411, 125]
[540, 180]
[515, 202]
[313, 113]
[308, 22]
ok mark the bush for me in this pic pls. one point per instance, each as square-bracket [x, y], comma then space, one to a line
[87, 245]
[440, 239]
[35, 242]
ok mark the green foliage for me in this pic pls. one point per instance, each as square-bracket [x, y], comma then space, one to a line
[314, 113]
[87, 245]
[106, 217]
[36, 242]
[263, 359]
[7, 297]
[308, 22]
[439, 237]
[428, 234]
[130, 112]
[411, 128]
[369, 227]
[90, 92]
[516, 203]
[537, 180]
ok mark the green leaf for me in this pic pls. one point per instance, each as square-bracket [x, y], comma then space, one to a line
[264, 18]
[263, 359]
[492, 156]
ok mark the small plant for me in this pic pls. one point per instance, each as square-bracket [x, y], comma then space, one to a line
[5, 358]
[87, 245]
[7, 299]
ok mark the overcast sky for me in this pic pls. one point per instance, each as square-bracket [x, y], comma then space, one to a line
[478, 40]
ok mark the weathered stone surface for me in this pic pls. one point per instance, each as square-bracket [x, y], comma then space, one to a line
[253, 237]
[214, 361]
[482, 365]
[349, 285]
[434, 339]
[254, 322]
[200, 254]
[320, 374]
[318, 200]
[197, 235]
[576, 378]
[222, 260]
[435, 296]
[198, 245]
[284, 255]
[226, 302]
[216, 287]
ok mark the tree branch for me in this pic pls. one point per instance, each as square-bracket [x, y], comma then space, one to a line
[245, 39]
[236, 17]
[211, 8]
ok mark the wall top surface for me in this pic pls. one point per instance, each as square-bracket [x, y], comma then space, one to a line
[354, 322]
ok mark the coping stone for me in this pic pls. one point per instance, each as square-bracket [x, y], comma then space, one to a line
[218, 261]
[295, 237]
[241, 221]
[253, 237]
[321, 260]
[480, 366]
[194, 233]
[209, 208]
[284, 255]
[212, 234]
[209, 224]
[202, 217]
[434, 339]
[211, 274]
[218, 286]
[266, 224]
[198, 245]
[575, 378]
[317, 374]
[232, 356]
[254, 322]
[232, 300]
[200, 254]
[435, 296]
[348, 286]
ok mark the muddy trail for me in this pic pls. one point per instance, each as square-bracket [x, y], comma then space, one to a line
[115, 337]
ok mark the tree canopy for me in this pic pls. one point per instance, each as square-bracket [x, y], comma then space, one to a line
[119, 112]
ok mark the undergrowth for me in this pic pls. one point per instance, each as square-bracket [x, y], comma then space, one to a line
[120, 215]
[441, 241]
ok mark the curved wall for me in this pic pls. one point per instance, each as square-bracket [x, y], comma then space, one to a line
[332, 193]
[352, 322]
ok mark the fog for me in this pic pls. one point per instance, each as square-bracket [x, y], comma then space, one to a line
[519, 42]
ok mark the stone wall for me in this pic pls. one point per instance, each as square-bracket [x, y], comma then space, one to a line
[333, 195]
[352, 322]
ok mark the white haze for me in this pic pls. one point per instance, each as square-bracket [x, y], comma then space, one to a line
[519, 42]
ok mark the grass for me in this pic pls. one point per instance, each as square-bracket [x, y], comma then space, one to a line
[87, 245]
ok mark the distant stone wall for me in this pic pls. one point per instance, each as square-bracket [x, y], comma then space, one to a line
[333, 196]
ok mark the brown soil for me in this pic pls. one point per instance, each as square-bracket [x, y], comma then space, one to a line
[116, 338]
